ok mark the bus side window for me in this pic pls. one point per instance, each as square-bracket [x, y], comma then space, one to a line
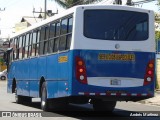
[68, 41]
[17, 50]
[46, 40]
[70, 25]
[62, 42]
[20, 47]
[55, 48]
[51, 38]
[14, 44]
[66, 33]
[56, 39]
[14, 48]
[69, 35]
[23, 46]
[34, 35]
[37, 42]
[26, 46]
[30, 45]
[41, 43]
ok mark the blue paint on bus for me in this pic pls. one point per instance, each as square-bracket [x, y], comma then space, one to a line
[61, 79]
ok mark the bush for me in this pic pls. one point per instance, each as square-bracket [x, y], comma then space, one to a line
[157, 85]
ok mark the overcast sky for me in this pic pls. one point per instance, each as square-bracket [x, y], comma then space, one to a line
[16, 9]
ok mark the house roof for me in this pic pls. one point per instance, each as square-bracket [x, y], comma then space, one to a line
[31, 20]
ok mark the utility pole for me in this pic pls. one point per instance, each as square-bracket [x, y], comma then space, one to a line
[129, 2]
[45, 9]
[46, 12]
[118, 2]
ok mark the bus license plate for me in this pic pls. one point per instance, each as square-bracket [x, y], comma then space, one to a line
[115, 82]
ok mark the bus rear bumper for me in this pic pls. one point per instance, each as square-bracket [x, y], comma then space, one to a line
[115, 96]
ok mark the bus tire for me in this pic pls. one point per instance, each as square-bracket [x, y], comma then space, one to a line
[19, 99]
[44, 101]
[100, 105]
[23, 99]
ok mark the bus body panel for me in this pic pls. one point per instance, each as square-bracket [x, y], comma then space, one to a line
[63, 63]
[33, 77]
[52, 67]
[52, 76]
[54, 71]
[56, 86]
[101, 71]
[82, 42]
[52, 89]
[41, 67]
[63, 74]
[20, 71]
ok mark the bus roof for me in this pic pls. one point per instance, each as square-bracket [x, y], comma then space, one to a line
[72, 10]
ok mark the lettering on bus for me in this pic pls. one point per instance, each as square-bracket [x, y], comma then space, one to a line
[63, 59]
[121, 57]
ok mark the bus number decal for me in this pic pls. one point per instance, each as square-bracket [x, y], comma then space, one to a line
[122, 57]
[63, 59]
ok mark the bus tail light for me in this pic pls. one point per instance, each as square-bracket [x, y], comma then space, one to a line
[149, 75]
[81, 75]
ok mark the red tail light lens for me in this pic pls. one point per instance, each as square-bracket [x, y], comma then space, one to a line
[150, 72]
[149, 76]
[81, 75]
[80, 62]
[81, 70]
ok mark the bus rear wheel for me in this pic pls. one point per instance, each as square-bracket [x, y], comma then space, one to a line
[22, 99]
[51, 104]
[18, 99]
[100, 105]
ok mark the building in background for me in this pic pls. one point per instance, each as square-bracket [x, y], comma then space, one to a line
[27, 21]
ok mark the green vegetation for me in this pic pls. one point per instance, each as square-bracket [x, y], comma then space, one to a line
[157, 85]
[157, 35]
[1, 61]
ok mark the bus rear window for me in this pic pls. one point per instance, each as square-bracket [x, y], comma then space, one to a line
[117, 25]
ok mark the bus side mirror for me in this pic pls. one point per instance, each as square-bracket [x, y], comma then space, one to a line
[6, 55]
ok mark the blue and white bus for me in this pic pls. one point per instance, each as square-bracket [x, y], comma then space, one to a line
[90, 53]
